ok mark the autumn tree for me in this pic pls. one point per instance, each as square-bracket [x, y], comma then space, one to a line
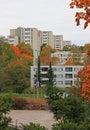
[84, 76]
[26, 53]
[46, 51]
[84, 14]
[45, 56]
[25, 49]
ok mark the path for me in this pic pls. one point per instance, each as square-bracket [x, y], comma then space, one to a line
[44, 118]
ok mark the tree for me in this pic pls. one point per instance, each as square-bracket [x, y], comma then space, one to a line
[18, 76]
[7, 54]
[45, 60]
[69, 109]
[5, 106]
[50, 86]
[50, 75]
[46, 51]
[84, 14]
[84, 76]
[25, 49]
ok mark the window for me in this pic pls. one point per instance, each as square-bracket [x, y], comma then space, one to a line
[75, 75]
[68, 69]
[75, 69]
[55, 76]
[54, 69]
[60, 75]
[68, 76]
[68, 82]
[34, 69]
[44, 69]
[60, 82]
[60, 69]
[44, 75]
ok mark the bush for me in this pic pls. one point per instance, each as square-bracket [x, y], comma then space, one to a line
[68, 126]
[33, 126]
[19, 103]
[36, 104]
[29, 103]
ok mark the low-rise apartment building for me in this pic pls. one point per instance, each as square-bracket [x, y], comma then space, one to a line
[65, 76]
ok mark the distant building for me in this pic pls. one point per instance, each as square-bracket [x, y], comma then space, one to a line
[13, 40]
[67, 43]
[62, 55]
[35, 38]
[48, 38]
[58, 42]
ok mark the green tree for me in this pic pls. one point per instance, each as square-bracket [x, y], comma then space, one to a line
[5, 106]
[7, 54]
[50, 85]
[50, 75]
[68, 109]
[18, 77]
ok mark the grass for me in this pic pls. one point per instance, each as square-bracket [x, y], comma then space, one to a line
[23, 95]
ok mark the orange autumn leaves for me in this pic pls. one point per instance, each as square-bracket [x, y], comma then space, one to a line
[45, 60]
[23, 53]
[17, 51]
[45, 57]
[85, 14]
[84, 76]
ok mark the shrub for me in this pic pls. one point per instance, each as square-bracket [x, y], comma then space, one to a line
[33, 126]
[19, 103]
[29, 103]
[68, 126]
[36, 104]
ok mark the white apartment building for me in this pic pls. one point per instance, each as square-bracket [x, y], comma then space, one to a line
[58, 42]
[67, 43]
[62, 55]
[65, 76]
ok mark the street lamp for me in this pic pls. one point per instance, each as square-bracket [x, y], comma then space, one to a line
[37, 81]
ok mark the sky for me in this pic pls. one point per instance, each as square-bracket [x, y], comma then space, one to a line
[45, 15]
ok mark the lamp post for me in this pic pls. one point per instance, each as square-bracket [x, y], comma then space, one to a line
[37, 78]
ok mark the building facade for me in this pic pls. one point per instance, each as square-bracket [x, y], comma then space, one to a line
[58, 42]
[35, 38]
[48, 38]
[62, 55]
[65, 76]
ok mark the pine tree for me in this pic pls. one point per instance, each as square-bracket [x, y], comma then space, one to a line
[50, 86]
[51, 80]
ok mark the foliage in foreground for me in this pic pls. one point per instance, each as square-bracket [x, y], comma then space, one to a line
[5, 106]
[33, 126]
[71, 126]
[72, 112]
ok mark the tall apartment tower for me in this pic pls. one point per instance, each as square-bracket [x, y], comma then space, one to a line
[48, 38]
[58, 40]
[27, 35]
[19, 32]
[33, 37]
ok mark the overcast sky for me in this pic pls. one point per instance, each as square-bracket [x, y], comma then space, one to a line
[46, 15]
